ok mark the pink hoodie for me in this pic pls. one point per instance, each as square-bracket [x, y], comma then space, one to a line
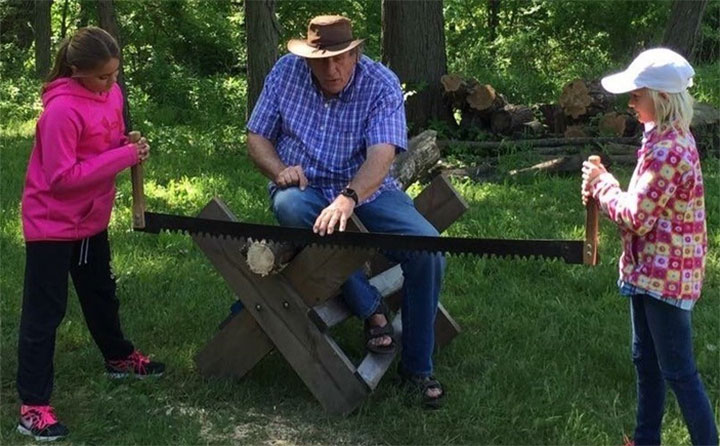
[80, 147]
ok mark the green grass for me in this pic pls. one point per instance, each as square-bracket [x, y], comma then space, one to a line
[543, 357]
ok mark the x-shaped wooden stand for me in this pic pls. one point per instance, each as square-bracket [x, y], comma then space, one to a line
[293, 310]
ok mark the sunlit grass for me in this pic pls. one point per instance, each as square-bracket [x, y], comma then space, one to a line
[543, 357]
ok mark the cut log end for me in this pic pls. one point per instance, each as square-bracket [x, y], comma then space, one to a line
[451, 82]
[266, 258]
[575, 98]
[481, 97]
[575, 131]
[612, 124]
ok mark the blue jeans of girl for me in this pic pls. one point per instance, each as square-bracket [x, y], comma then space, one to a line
[662, 352]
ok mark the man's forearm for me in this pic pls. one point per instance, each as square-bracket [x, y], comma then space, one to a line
[263, 154]
[373, 171]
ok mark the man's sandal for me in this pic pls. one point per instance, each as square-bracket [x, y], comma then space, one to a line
[376, 332]
[421, 384]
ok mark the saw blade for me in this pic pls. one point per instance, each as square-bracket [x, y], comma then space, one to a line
[571, 251]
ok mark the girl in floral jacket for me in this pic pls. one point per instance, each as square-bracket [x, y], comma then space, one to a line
[662, 225]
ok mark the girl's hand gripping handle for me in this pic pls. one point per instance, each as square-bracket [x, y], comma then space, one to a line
[138, 192]
[590, 256]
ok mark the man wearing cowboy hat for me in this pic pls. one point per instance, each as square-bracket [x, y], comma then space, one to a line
[325, 131]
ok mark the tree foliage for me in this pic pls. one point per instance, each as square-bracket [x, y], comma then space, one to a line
[185, 61]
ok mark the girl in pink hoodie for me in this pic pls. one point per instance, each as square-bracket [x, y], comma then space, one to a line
[80, 147]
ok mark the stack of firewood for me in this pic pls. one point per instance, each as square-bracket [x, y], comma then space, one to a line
[583, 109]
[483, 108]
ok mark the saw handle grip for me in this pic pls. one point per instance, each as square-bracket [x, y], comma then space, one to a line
[590, 256]
[138, 192]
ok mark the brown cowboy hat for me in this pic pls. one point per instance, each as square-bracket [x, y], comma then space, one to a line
[327, 36]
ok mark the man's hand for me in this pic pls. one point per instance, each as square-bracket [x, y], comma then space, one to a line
[338, 212]
[291, 176]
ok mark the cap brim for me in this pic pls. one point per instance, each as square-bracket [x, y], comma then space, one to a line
[302, 49]
[618, 83]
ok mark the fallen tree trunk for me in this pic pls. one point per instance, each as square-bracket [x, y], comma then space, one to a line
[610, 149]
[705, 128]
[510, 119]
[422, 154]
[553, 164]
[545, 142]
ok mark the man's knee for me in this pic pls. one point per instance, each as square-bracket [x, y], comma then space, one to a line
[293, 207]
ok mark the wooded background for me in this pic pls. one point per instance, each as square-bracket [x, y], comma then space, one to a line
[192, 59]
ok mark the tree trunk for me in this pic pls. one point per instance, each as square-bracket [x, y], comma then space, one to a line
[684, 26]
[106, 15]
[42, 30]
[511, 119]
[413, 46]
[493, 18]
[86, 13]
[63, 25]
[262, 32]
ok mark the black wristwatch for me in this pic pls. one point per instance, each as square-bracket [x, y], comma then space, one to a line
[350, 193]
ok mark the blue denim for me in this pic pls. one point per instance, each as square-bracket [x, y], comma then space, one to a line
[391, 212]
[662, 351]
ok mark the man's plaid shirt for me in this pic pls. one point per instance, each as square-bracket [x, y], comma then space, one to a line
[329, 137]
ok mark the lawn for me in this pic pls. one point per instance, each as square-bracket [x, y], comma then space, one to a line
[544, 356]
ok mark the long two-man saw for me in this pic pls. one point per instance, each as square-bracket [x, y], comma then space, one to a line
[571, 251]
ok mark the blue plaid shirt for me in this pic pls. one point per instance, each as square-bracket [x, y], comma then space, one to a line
[329, 137]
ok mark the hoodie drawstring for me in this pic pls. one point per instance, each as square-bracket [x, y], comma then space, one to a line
[84, 249]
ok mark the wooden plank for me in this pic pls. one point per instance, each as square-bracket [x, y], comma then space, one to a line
[334, 311]
[446, 329]
[317, 273]
[440, 203]
[282, 315]
[235, 349]
[240, 344]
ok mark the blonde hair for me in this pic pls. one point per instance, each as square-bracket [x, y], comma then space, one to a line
[672, 110]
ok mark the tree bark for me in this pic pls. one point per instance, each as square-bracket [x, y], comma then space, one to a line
[86, 13]
[510, 119]
[261, 32]
[493, 18]
[413, 46]
[106, 16]
[683, 27]
[63, 25]
[42, 29]
[547, 142]
[16, 23]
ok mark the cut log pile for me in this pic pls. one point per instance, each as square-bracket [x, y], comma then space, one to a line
[584, 111]
[576, 114]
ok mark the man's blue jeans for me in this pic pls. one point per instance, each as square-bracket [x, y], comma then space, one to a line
[391, 212]
[662, 351]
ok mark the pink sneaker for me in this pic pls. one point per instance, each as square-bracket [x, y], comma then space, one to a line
[41, 423]
[136, 364]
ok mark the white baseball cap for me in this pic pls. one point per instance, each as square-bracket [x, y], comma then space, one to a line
[659, 69]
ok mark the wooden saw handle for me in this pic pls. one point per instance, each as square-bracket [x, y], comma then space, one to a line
[590, 256]
[138, 191]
